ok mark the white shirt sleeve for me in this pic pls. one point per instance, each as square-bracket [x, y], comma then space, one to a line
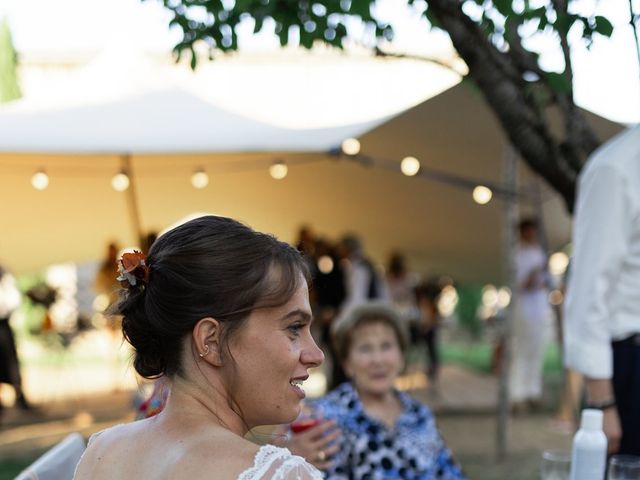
[601, 237]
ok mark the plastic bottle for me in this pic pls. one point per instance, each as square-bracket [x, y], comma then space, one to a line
[589, 452]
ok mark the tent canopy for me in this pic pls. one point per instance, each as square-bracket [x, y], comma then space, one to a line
[170, 131]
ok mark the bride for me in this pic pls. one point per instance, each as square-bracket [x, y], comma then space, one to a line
[223, 313]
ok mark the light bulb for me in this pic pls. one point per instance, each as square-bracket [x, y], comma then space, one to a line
[556, 297]
[325, 264]
[120, 182]
[504, 297]
[410, 166]
[40, 180]
[351, 146]
[199, 179]
[489, 296]
[482, 194]
[558, 263]
[278, 170]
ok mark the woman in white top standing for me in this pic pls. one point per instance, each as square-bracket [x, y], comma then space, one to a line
[531, 316]
[223, 312]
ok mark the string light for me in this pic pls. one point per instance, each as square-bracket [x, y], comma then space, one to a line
[489, 296]
[504, 297]
[325, 264]
[40, 180]
[448, 300]
[120, 181]
[278, 170]
[410, 166]
[199, 179]
[482, 195]
[558, 263]
[351, 146]
[556, 297]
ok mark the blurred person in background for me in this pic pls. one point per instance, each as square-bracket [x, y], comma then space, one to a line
[107, 286]
[306, 243]
[106, 282]
[362, 284]
[328, 287]
[427, 328]
[384, 432]
[400, 286]
[9, 364]
[362, 281]
[328, 292]
[531, 315]
[148, 241]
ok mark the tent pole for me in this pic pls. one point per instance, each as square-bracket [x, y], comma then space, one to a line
[132, 199]
[509, 227]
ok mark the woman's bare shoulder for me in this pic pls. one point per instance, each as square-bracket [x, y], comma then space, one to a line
[109, 446]
[138, 449]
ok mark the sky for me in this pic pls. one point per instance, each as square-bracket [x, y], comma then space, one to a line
[607, 78]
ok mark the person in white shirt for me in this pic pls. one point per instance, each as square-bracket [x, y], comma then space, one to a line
[9, 363]
[602, 311]
[532, 313]
[362, 281]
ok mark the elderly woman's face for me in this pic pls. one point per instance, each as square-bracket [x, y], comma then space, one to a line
[374, 360]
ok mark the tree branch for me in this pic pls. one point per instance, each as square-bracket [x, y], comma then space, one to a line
[501, 82]
[448, 65]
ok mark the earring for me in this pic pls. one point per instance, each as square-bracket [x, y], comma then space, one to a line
[206, 351]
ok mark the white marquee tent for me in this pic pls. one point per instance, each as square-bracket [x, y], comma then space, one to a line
[166, 130]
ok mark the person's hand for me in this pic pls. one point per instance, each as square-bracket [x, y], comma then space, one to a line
[612, 429]
[601, 391]
[317, 445]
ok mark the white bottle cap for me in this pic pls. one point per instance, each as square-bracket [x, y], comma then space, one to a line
[591, 419]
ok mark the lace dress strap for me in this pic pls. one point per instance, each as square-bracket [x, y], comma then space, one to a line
[275, 463]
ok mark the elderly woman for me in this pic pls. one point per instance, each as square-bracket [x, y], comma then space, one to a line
[386, 434]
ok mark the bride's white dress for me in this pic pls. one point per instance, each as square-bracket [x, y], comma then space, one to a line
[275, 463]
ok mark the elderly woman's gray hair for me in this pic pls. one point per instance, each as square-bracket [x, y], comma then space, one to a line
[344, 326]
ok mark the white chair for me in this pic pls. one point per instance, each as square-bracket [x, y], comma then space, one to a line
[57, 463]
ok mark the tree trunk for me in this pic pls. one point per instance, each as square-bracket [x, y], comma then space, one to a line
[522, 118]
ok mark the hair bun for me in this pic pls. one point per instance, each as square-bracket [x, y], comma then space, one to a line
[150, 359]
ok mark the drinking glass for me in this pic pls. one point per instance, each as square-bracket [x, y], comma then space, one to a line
[307, 419]
[624, 467]
[556, 465]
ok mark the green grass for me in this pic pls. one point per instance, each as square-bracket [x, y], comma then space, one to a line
[478, 356]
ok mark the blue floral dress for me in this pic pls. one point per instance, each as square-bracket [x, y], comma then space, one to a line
[412, 450]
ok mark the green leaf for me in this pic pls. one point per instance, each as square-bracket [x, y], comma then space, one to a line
[306, 39]
[489, 27]
[564, 22]
[432, 19]
[504, 7]
[194, 58]
[361, 8]
[531, 13]
[603, 26]
[258, 26]
[284, 36]
[543, 23]
[9, 86]
[558, 82]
